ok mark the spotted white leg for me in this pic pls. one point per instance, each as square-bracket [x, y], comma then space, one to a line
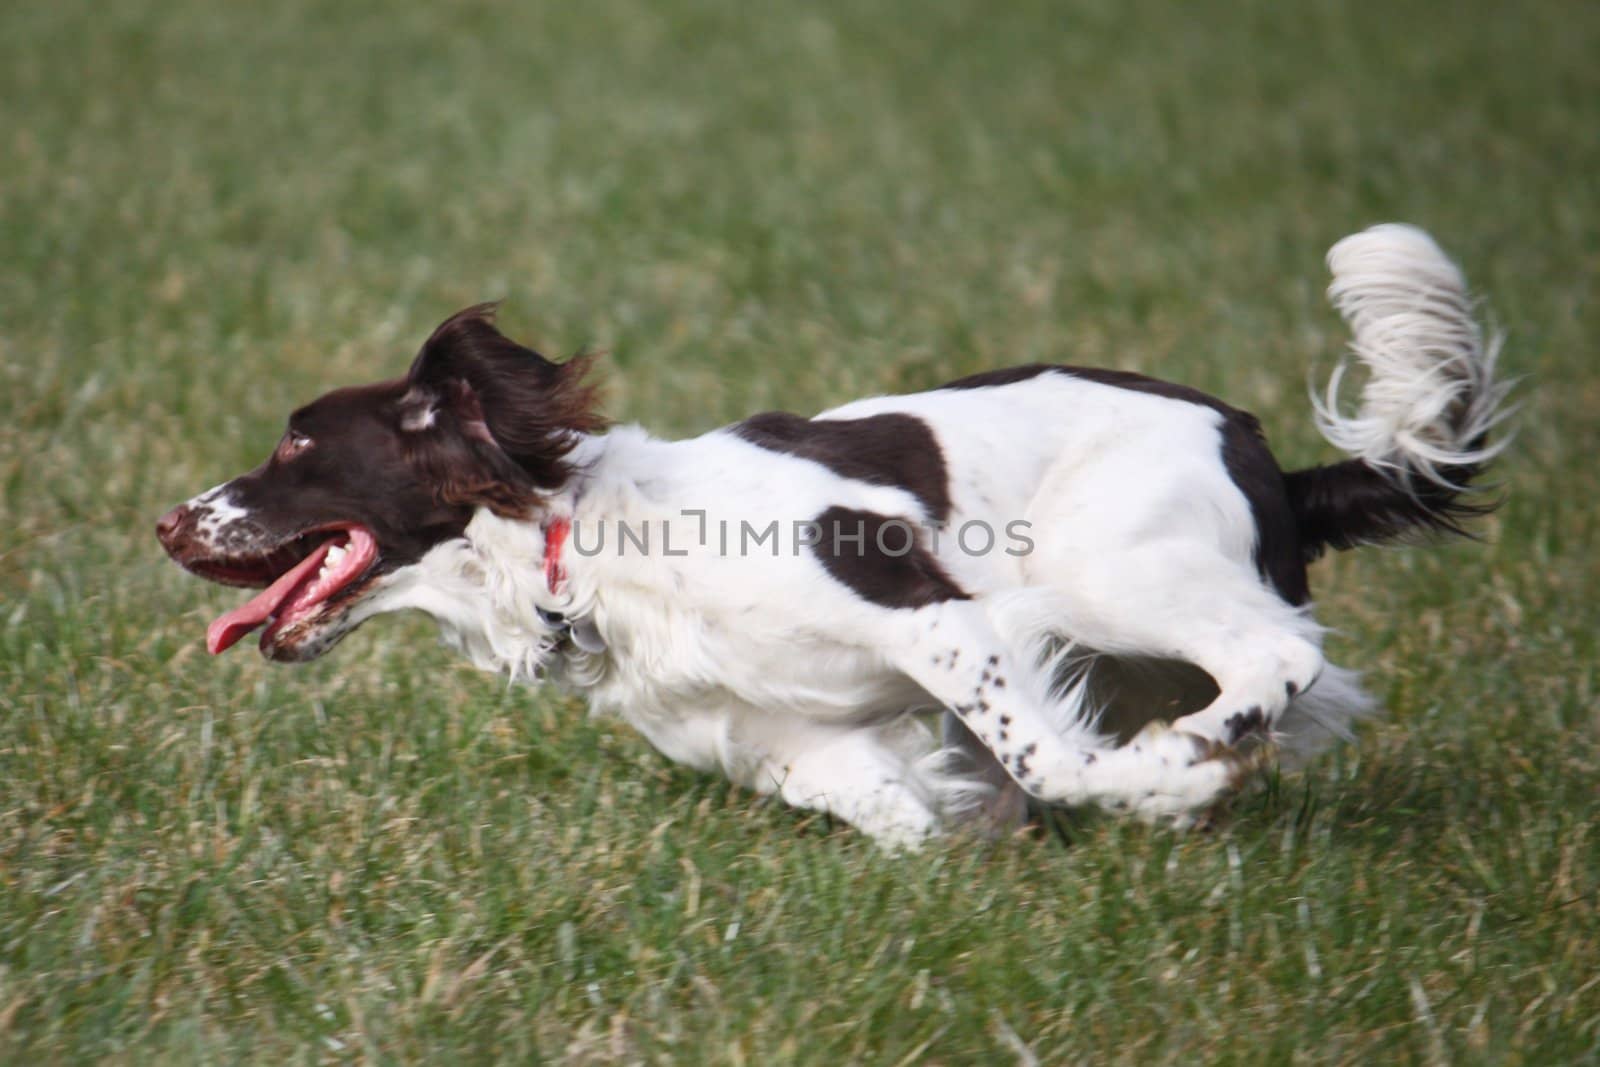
[1049, 748]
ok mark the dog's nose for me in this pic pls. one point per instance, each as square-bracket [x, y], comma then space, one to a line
[171, 522]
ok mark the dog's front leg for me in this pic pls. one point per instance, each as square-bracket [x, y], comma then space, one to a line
[1047, 746]
[853, 776]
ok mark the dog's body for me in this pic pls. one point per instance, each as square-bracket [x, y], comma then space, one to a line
[777, 599]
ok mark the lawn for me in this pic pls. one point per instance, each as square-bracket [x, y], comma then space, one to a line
[210, 212]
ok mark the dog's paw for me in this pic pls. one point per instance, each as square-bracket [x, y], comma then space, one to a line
[1175, 778]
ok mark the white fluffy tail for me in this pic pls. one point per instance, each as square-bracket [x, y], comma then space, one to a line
[1431, 396]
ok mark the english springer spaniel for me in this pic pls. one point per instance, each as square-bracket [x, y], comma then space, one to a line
[1097, 580]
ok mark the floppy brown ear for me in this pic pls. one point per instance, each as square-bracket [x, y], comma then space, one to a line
[450, 402]
[461, 402]
[447, 437]
[534, 410]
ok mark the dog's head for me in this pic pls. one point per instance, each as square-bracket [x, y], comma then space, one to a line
[366, 480]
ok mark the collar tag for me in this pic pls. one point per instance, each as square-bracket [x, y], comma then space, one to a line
[555, 538]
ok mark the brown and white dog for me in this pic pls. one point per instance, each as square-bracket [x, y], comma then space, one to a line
[1059, 560]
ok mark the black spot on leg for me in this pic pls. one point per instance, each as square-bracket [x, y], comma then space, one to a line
[1090, 759]
[1241, 723]
[1005, 720]
[994, 661]
[999, 682]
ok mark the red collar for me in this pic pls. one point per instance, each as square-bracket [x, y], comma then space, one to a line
[555, 538]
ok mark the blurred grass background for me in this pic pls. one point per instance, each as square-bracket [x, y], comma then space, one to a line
[212, 212]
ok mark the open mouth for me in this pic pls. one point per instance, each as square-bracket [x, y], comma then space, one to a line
[300, 577]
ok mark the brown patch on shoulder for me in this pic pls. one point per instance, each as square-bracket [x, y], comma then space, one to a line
[892, 449]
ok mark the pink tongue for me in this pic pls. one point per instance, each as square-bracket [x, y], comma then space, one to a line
[226, 629]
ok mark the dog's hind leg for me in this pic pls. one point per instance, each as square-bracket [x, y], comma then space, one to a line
[954, 652]
[1188, 601]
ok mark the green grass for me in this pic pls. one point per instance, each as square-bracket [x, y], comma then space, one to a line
[210, 212]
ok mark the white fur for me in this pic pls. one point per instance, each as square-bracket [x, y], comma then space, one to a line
[1431, 390]
[770, 671]
[764, 666]
[214, 511]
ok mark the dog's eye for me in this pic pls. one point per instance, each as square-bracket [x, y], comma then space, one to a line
[292, 445]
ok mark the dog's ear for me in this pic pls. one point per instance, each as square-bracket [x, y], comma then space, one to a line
[450, 405]
[448, 439]
[471, 377]
[469, 346]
